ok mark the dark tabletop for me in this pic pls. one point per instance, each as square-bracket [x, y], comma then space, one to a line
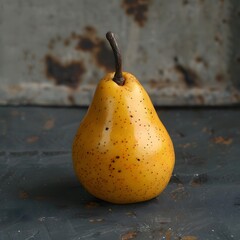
[40, 197]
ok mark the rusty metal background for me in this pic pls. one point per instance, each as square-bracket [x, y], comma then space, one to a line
[184, 52]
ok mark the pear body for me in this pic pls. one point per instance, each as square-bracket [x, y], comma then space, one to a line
[122, 153]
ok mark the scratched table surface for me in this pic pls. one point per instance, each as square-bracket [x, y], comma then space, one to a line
[40, 197]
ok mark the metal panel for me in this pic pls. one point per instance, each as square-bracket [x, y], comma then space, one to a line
[183, 52]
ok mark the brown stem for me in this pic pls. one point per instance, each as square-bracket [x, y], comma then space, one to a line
[118, 77]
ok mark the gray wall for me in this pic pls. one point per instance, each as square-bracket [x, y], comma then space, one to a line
[184, 52]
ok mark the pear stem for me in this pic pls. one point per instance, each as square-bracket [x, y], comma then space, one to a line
[118, 76]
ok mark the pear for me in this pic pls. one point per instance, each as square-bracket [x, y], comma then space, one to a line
[122, 152]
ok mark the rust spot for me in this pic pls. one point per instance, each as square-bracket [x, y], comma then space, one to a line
[71, 99]
[179, 193]
[91, 205]
[188, 75]
[159, 84]
[180, 134]
[200, 99]
[153, 83]
[222, 140]
[199, 59]
[16, 88]
[185, 2]
[88, 41]
[188, 238]
[67, 42]
[97, 47]
[85, 44]
[74, 35]
[161, 72]
[90, 29]
[218, 39]
[236, 96]
[131, 214]
[129, 235]
[210, 131]
[68, 74]
[224, 21]
[186, 145]
[199, 179]
[32, 139]
[219, 77]
[15, 113]
[137, 9]
[168, 234]
[49, 124]
[23, 195]
[238, 59]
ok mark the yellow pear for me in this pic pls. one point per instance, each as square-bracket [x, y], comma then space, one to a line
[122, 152]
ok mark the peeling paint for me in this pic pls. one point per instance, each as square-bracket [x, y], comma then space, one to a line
[67, 74]
[137, 9]
[100, 51]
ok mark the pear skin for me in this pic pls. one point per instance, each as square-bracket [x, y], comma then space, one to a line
[122, 153]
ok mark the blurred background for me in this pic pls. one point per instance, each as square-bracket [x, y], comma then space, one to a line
[184, 52]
